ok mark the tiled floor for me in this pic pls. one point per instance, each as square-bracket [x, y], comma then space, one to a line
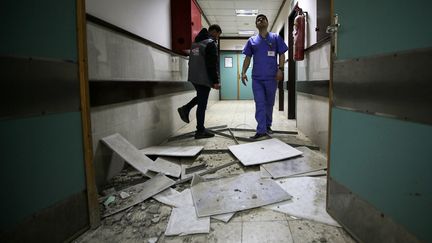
[251, 226]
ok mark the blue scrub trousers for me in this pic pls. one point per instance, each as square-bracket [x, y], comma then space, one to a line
[264, 95]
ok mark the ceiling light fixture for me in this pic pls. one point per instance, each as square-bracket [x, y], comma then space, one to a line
[248, 12]
[246, 32]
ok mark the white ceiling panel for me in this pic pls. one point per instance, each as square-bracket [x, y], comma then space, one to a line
[222, 12]
[204, 4]
[221, 4]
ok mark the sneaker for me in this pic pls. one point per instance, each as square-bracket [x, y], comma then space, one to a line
[269, 130]
[258, 135]
[184, 114]
[203, 134]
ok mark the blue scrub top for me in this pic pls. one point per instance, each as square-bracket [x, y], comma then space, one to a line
[264, 66]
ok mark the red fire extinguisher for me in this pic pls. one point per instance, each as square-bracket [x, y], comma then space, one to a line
[299, 36]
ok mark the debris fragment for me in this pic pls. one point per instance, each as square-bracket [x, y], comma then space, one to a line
[124, 195]
[109, 200]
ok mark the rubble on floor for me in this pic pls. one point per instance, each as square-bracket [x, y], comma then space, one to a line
[136, 207]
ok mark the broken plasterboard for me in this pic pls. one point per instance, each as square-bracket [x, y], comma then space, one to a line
[309, 199]
[263, 151]
[177, 199]
[201, 168]
[168, 166]
[129, 153]
[309, 161]
[139, 193]
[174, 198]
[177, 151]
[184, 221]
[235, 194]
[137, 159]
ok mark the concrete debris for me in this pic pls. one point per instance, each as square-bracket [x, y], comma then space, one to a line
[143, 191]
[152, 240]
[109, 200]
[153, 209]
[124, 195]
[109, 191]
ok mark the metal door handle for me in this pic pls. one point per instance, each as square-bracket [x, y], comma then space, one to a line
[332, 28]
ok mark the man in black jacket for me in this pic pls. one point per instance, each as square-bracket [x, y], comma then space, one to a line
[203, 73]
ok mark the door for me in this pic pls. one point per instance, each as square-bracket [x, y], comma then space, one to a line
[245, 92]
[230, 69]
[379, 182]
[228, 75]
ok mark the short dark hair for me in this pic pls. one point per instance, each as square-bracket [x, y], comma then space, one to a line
[215, 27]
[260, 15]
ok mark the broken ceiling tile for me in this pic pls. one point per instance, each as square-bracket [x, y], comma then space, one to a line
[235, 194]
[175, 199]
[264, 173]
[184, 221]
[141, 192]
[177, 151]
[309, 161]
[128, 152]
[264, 151]
[309, 199]
[168, 166]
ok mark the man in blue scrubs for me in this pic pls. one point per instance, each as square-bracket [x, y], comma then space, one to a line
[265, 48]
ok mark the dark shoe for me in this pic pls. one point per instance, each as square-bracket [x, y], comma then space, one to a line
[184, 114]
[269, 130]
[257, 135]
[203, 134]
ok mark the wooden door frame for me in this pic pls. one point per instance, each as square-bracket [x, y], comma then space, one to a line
[92, 196]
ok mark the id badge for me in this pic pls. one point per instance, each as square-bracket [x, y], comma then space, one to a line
[271, 53]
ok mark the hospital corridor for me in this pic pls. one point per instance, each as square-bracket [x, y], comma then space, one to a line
[204, 121]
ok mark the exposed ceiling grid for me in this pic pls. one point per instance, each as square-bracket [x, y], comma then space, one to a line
[222, 12]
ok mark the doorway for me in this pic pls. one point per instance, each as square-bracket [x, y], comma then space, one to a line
[231, 63]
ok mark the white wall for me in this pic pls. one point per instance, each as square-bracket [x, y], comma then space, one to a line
[150, 19]
[308, 6]
[311, 110]
[116, 57]
[316, 65]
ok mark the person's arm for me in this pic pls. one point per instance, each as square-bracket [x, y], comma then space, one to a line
[211, 64]
[245, 67]
[280, 72]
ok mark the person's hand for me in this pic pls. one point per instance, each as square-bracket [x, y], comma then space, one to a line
[244, 79]
[216, 86]
[279, 75]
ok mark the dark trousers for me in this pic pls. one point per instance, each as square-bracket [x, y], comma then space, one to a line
[201, 100]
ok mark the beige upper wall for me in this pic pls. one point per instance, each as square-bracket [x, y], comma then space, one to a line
[232, 44]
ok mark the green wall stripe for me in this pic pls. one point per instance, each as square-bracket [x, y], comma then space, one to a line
[38, 28]
[41, 163]
[388, 163]
[376, 27]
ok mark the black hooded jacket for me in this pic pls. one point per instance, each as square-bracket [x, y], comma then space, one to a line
[211, 58]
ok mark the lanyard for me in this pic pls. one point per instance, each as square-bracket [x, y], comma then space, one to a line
[268, 42]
